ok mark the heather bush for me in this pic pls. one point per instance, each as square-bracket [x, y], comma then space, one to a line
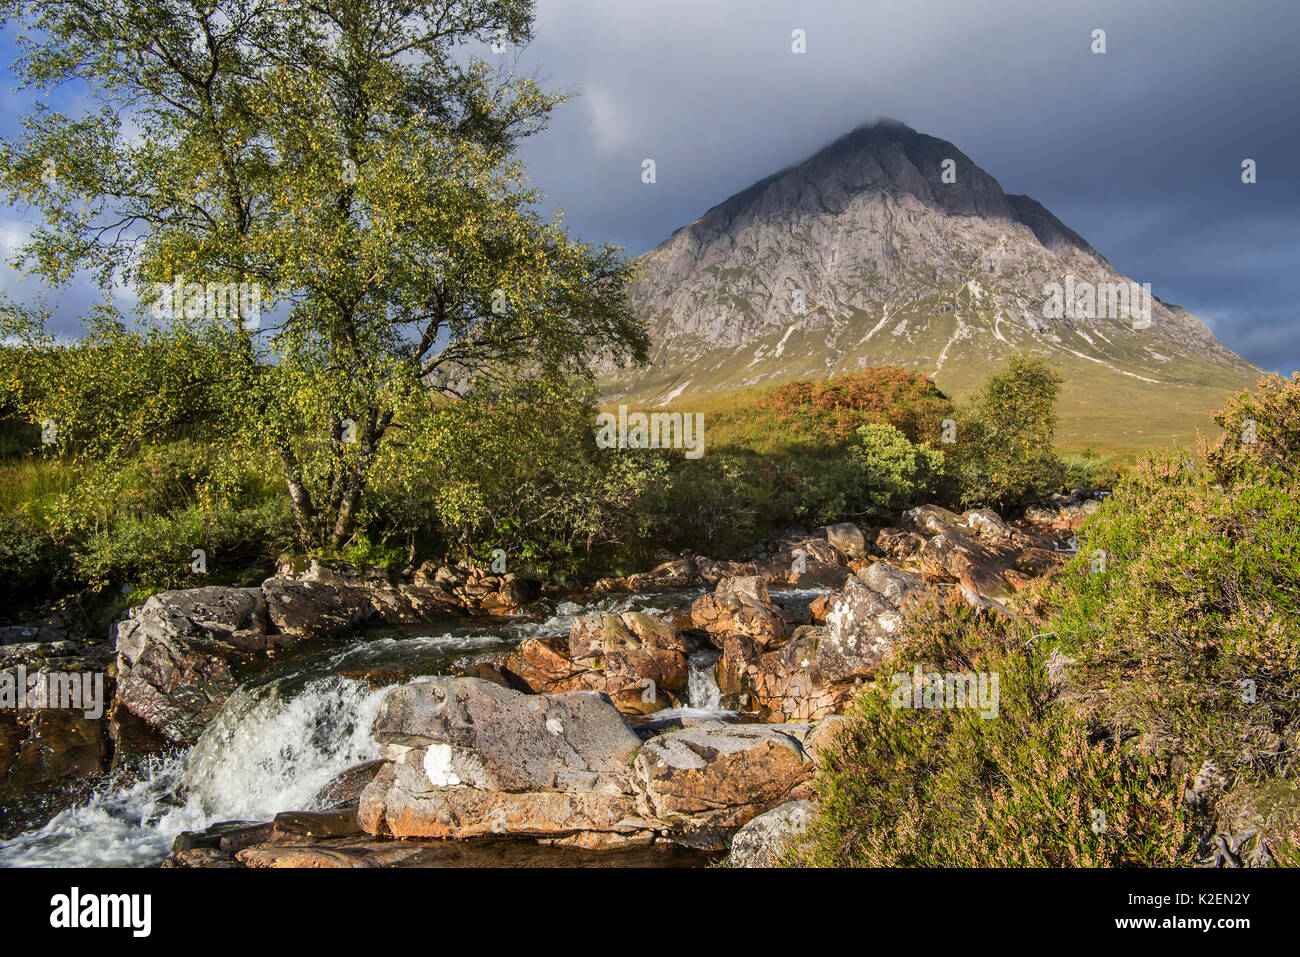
[1028, 787]
[1167, 650]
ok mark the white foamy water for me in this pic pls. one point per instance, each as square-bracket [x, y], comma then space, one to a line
[263, 754]
[701, 684]
[273, 746]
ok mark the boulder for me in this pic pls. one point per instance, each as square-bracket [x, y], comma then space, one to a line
[467, 758]
[342, 853]
[318, 607]
[638, 660]
[866, 623]
[766, 839]
[789, 685]
[709, 572]
[821, 606]
[344, 790]
[817, 671]
[1065, 512]
[332, 598]
[412, 808]
[174, 655]
[511, 595]
[496, 738]
[676, 573]
[898, 543]
[47, 749]
[418, 602]
[742, 606]
[805, 563]
[975, 550]
[895, 585]
[847, 538]
[703, 782]
[825, 735]
[736, 669]
[543, 665]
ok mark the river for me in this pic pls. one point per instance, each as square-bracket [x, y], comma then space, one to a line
[293, 727]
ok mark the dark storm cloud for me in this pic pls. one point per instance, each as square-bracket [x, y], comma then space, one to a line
[1139, 149]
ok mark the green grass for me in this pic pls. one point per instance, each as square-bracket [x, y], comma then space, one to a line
[30, 480]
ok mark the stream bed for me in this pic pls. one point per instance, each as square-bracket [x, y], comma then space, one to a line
[304, 718]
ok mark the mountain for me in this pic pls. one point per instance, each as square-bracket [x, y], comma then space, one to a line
[863, 255]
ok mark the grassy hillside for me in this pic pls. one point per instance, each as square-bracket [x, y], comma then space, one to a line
[1100, 409]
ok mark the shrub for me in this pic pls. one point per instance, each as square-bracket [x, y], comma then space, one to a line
[154, 553]
[1091, 470]
[949, 788]
[33, 566]
[516, 469]
[1192, 624]
[1261, 437]
[896, 472]
[824, 414]
[1003, 452]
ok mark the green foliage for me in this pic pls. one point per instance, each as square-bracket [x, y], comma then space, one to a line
[879, 474]
[715, 504]
[153, 553]
[32, 563]
[949, 788]
[130, 512]
[347, 172]
[1191, 625]
[1087, 469]
[516, 469]
[1003, 455]
[116, 391]
[897, 473]
[827, 490]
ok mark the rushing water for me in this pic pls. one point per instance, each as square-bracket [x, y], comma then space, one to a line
[263, 754]
[701, 685]
[281, 737]
[291, 729]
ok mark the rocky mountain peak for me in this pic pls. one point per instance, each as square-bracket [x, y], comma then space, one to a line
[866, 254]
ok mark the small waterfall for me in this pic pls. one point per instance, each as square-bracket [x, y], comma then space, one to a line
[266, 752]
[701, 685]
[275, 744]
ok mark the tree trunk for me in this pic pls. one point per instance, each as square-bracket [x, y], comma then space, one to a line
[345, 517]
[304, 516]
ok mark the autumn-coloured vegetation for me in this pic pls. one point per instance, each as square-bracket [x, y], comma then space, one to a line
[152, 464]
[1164, 655]
[832, 410]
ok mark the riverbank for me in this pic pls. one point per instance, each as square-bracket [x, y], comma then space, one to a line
[228, 706]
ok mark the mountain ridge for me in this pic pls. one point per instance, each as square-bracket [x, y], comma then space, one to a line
[862, 255]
